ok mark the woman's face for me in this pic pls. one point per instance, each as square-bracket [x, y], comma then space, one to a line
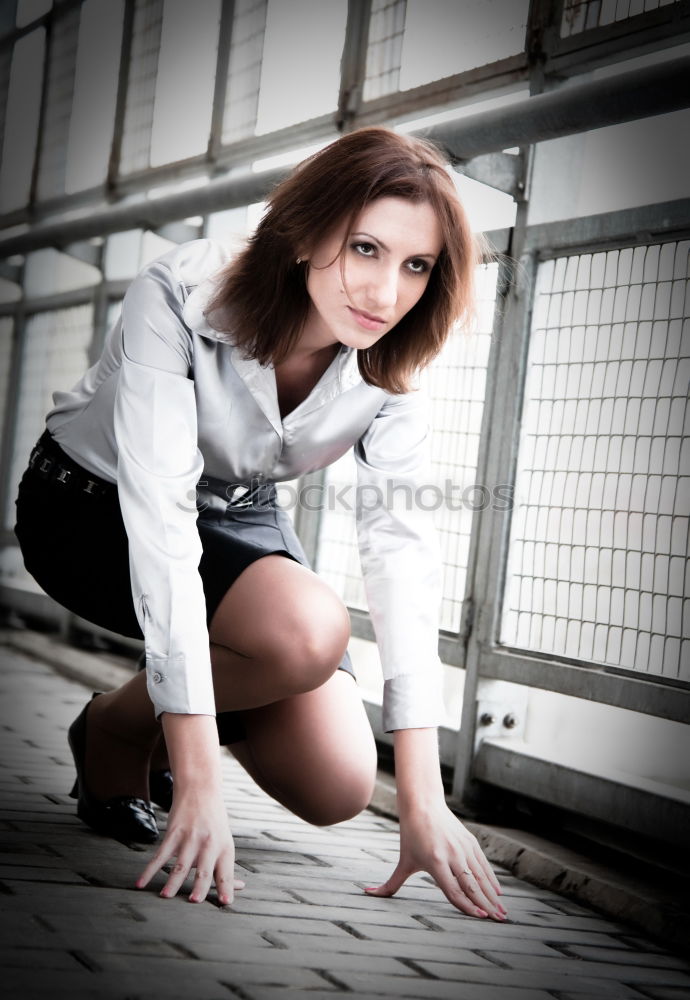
[386, 263]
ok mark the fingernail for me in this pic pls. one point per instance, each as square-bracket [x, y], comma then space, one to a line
[481, 913]
[370, 888]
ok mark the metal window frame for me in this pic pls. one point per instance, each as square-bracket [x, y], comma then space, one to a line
[499, 760]
[588, 49]
[545, 59]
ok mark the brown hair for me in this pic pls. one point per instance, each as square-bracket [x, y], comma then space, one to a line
[264, 289]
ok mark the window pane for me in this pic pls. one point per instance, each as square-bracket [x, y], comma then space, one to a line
[95, 94]
[6, 331]
[583, 15]
[48, 272]
[384, 50]
[445, 37]
[244, 69]
[55, 356]
[58, 104]
[599, 533]
[141, 85]
[29, 10]
[300, 75]
[21, 123]
[186, 77]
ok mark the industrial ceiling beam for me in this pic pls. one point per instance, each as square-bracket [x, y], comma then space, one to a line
[654, 90]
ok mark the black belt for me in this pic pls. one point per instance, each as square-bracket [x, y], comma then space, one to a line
[50, 462]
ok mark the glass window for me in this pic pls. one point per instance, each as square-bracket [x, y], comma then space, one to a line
[62, 57]
[55, 356]
[29, 10]
[185, 81]
[446, 37]
[244, 69]
[300, 73]
[21, 121]
[48, 272]
[95, 94]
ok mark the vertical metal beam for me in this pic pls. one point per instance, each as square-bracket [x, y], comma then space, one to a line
[543, 33]
[308, 522]
[215, 139]
[121, 99]
[100, 311]
[498, 455]
[10, 423]
[353, 63]
[47, 54]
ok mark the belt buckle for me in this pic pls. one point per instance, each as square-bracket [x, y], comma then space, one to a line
[241, 497]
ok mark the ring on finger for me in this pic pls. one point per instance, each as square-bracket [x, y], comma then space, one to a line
[466, 871]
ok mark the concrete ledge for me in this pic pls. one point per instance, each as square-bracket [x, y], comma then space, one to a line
[623, 896]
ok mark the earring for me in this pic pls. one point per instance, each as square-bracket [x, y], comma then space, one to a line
[298, 261]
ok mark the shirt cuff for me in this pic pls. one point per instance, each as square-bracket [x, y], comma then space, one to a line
[166, 682]
[413, 701]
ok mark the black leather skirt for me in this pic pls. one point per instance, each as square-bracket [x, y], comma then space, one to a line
[74, 544]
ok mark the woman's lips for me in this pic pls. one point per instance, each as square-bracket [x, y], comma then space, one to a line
[366, 320]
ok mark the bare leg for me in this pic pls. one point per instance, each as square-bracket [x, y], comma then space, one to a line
[314, 753]
[278, 632]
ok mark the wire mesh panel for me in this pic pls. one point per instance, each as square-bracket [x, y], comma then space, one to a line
[386, 30]
[141, 85]
[62, 58]
[582, 15]
[598, 553]
[455, 383]
[55, 356]
[244, 69]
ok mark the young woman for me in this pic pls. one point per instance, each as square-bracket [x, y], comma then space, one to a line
[149, 508]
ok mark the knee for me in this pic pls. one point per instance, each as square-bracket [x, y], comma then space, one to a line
[315, 646]
[351, 794]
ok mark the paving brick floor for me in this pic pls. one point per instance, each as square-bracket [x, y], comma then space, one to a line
[73, 925]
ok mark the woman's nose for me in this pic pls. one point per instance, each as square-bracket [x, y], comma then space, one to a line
[384, 289]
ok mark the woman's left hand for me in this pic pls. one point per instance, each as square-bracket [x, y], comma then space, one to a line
[435, 841]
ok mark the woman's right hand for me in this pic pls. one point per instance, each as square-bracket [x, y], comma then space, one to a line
[198, 835]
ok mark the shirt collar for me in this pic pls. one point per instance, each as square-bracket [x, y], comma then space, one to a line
[342, 374]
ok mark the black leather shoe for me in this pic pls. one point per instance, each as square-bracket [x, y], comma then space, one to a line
[124, 818]
[161, 789]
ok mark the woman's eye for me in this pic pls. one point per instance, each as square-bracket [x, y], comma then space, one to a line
[418, 266]
[365, 249]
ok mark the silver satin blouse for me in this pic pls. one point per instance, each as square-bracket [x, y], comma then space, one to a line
[173, 411]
